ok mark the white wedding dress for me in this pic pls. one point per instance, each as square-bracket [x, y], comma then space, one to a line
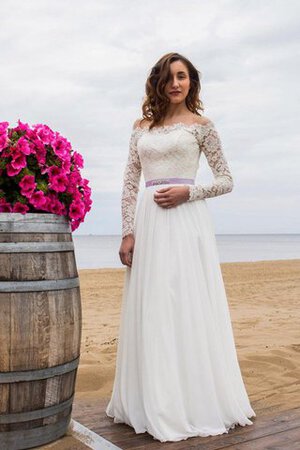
[177, 372]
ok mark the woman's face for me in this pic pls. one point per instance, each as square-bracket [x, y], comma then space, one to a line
[178, 82]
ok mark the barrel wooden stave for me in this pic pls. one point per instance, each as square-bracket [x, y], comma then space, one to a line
[40, 330]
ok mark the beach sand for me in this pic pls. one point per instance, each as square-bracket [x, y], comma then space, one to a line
[263, 298]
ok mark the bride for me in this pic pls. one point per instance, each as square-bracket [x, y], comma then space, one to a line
[177, 371]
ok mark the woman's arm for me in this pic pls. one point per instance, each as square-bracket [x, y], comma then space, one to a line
[210, 143]
[131, 181]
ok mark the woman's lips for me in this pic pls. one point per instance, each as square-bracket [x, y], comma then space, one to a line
[174, 93]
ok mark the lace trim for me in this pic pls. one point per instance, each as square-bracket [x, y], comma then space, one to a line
[174, 126]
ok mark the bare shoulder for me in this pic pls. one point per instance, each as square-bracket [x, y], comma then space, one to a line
[141, 123]
[202, 120]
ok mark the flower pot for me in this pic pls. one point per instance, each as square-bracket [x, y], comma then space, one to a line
[40, 328]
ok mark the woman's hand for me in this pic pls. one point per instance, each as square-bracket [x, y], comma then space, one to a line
[171, 196]
[126, 250]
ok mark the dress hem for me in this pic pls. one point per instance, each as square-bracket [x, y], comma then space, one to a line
[225, 430]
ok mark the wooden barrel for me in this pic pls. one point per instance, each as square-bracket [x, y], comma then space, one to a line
[40, 328]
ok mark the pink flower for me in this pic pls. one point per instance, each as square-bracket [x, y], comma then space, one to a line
[59, 183]
[78, 159]
[3, 127]
[38, 199]
[61, 146]
[53, 171]
[58, 208]
[5, 206]
[11, 171]
[19, 161]
[53, 166]
[66, 165]
[38, 148]
[75, 178]
[76, 210]
[3, 135]
[75, 224]
[45, 133]
[27, 185]
[22, 126]
[20, 208]
[23, 146]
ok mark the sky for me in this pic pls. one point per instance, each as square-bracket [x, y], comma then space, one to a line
[81, 67]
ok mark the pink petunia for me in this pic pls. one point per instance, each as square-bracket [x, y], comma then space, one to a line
[54, 164]
[76, 210]
[38, 199]
[11, 171]
[61, 146]
[39, 150]
[5, 206]
[19, 161]
[20, 208]
[27, 185]
[45, 133]
[59, 183]
[78, 159]
[23, 146]
[53, 171]
[56, 207]
[23, 126]
[3, 135]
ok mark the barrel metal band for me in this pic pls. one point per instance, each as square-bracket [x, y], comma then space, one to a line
[38, 285]
[38, 374]
[24, 439]
[35, 247]
[35, 414]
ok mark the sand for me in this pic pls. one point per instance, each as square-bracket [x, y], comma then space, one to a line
[263, 298]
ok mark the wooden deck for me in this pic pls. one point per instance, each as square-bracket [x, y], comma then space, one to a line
[276, 431]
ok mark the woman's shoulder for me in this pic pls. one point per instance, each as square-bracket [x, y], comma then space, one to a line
[201, 120]
[141, 123]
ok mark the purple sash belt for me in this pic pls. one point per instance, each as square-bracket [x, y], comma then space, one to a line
[169, 181]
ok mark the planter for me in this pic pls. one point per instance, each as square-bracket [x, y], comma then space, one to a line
[40, 328]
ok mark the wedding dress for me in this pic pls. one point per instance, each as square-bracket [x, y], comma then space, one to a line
[177, 373]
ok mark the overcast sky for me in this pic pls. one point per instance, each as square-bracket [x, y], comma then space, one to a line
[80, 67]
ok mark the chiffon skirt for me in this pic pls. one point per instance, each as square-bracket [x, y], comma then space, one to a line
[177, 373]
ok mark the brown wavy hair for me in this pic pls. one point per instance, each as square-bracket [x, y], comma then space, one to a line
[156, 102]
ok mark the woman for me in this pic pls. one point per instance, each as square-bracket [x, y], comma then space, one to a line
[177, 372]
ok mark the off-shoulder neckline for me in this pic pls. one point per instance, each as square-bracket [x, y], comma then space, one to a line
[175, 125]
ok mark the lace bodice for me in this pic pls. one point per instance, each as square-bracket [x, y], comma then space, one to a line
[173, 151]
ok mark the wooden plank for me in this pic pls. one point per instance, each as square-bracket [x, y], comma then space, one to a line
[267, 431]
[38, 266]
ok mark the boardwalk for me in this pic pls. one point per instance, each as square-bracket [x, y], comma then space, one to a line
[276, 431]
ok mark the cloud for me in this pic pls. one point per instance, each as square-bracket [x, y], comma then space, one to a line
[81, 68]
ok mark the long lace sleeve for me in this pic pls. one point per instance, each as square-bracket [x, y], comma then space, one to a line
[131, 182]
[210, 143]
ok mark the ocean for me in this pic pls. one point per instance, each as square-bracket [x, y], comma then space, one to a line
[102, 251]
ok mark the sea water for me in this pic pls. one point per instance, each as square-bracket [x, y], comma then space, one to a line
[102, 251]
